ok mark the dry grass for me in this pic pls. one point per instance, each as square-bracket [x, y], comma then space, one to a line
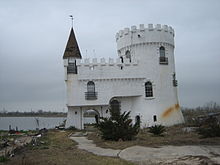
[58, 149]
[173, 136]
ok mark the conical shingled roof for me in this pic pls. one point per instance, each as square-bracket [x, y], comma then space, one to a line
[72, 48]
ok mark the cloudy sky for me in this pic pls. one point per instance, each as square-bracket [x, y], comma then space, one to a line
[33, 35]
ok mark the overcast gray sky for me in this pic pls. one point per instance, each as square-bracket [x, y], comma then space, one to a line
[33, 36]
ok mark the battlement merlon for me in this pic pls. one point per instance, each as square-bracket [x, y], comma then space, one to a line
[150, 34]
[87, 62]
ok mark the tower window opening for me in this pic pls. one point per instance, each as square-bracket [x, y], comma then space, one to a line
[155, 118]
[91, 94]
[162, 51]
[163, 59]
[148, 89]
[175, 83]
[128, 55]
[72, 68]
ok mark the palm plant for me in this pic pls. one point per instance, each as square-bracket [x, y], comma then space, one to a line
[118, 127]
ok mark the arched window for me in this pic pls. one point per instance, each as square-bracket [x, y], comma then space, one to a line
[114, 108]
[155, 118]
[128, 55]
[91, 94]
[148, 89]
[91, 87]
[163, 58]
[138, 120]
[162, 51]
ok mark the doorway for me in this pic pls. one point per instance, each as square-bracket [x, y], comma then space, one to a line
[90, 118]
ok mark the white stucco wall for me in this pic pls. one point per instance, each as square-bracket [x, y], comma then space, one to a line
[126, 81]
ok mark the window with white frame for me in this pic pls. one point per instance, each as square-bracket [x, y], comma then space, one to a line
[163, 59]
[148, 89]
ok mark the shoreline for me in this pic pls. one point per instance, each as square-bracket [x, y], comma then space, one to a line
[90, 116]
[33, 115]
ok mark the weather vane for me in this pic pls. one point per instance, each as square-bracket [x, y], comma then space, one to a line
[71, 17]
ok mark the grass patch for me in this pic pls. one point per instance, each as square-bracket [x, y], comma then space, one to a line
[60, 150]
[172, 136]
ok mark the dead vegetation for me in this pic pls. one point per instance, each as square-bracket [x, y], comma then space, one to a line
[192, 115]
[175, 135]
[57, 149]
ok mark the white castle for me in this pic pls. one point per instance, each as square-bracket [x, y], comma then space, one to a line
[142, 80]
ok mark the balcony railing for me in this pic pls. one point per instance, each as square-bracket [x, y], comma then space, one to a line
[163, 60]
[91, 95]
[71, 68]
[175, 83]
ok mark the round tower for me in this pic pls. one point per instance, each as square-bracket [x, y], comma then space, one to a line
[153, 47]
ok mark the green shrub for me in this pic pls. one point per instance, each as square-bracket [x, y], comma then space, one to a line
[157, 129]
[118, 127]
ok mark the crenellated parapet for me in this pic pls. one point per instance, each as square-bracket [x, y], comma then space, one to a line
[87, 62]
[143, 35]
[142, 28]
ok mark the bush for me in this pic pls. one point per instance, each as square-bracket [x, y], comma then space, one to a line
[118, 127]
[209, 132]
[157, 129]
[210, 128]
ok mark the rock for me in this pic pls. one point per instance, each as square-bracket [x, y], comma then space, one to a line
[39, 135]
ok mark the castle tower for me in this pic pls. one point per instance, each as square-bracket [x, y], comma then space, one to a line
[70, 55]
[153, 47]
[142, 80]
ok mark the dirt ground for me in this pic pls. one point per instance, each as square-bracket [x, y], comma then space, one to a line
[174, 135]
[56, 148]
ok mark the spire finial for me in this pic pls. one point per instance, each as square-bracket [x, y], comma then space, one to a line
[71, 17]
